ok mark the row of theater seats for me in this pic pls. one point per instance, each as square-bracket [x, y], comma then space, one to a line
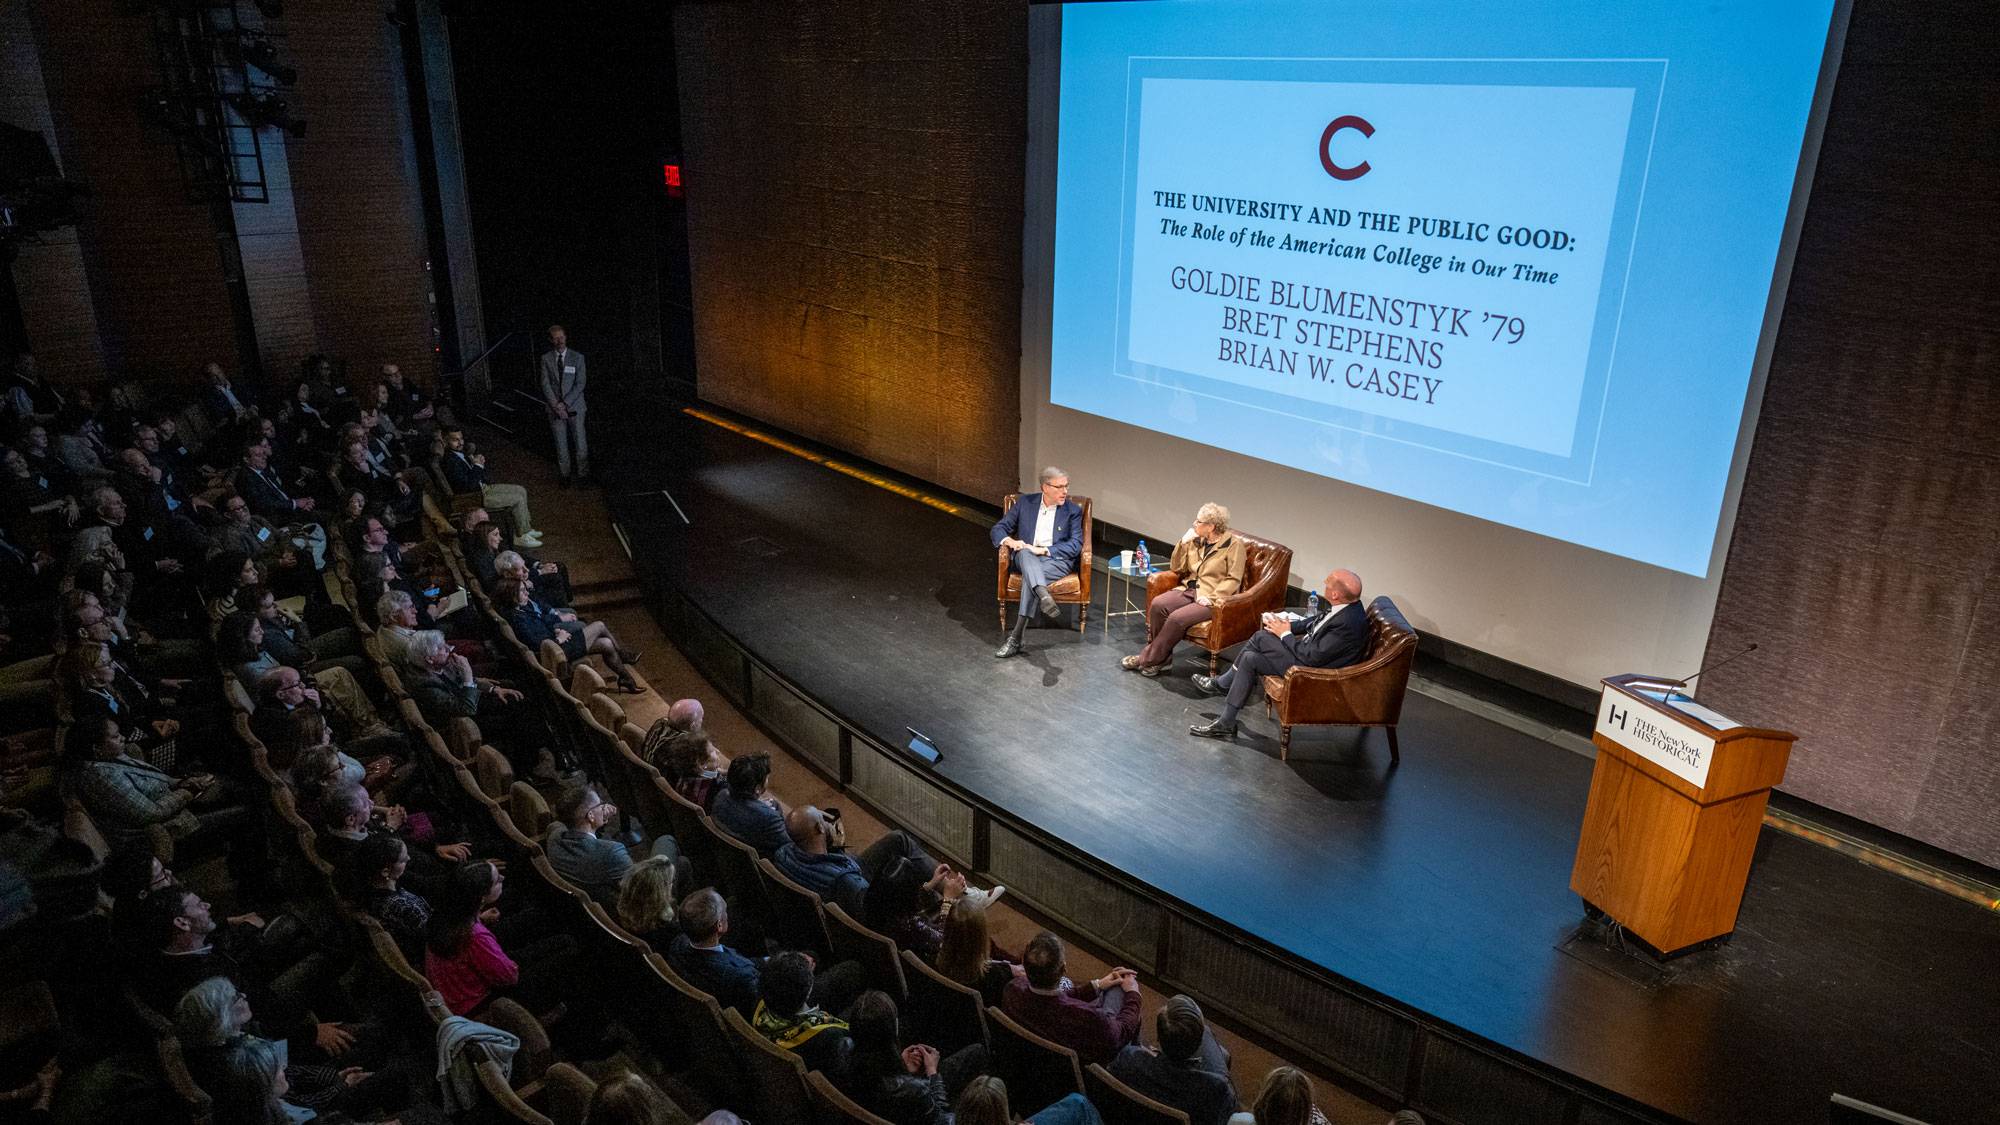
[708, 1050]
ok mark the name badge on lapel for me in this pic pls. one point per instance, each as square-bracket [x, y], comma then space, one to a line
[263, 533]
[147, 535]
[569, 369]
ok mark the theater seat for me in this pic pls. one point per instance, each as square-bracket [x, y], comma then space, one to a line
[1368, 694]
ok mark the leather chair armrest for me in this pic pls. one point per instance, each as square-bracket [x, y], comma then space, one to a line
[1159, 583]
[1235, 616]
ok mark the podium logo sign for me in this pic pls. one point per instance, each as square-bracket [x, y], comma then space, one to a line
[1655, 736]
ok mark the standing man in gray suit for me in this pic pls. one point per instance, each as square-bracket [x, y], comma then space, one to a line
[563, 377]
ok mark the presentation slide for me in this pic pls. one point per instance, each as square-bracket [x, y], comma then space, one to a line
[1510, 259]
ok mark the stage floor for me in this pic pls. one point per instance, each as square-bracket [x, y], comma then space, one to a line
[1442, 884]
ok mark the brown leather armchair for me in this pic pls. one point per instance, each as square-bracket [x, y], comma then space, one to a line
[1267, 567]
[1070, 589]
[1368, 694]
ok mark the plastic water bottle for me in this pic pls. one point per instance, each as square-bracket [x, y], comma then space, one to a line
[1312, 605]
[1141, 559]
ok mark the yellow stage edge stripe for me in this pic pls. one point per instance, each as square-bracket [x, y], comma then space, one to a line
[843, 468]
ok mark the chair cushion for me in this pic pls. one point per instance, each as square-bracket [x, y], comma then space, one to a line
[1198, 631]
[1066, 588]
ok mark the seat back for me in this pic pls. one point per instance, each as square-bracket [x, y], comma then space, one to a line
[740, 883]
[797, 921]
[566, 1093]
[942, 1012]
[876, 953]
[528, 810]
[1122, 1105]
[535, 1054]
[775, 1077]
[498, 1100]
[669, 1002]
[607, 711]
[493, 772]
[831, 1107]
[1037, 1071]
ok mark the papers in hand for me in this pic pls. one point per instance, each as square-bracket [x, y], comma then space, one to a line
[1285, 615]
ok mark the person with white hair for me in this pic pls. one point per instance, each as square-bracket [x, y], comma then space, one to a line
[1209, 565]
[1042, 538]
[442, 685]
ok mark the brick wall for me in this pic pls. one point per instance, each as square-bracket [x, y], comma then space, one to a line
[854, 224]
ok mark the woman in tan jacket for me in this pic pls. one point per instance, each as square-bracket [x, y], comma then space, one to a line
[1209, 561]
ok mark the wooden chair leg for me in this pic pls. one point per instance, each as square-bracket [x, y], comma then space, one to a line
[1395, 752]
[1003, 617]
[1284, 742]
[1082, 615]
[1212, 655]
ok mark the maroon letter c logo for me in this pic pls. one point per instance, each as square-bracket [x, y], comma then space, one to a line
[1346, 121]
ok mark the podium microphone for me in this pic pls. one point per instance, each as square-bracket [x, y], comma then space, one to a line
[1714, 666]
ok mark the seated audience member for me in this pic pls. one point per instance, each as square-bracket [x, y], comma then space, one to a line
[628, 1099]
[746, 808]
[535, 622]
[687, 759]
[904, 902]
[684, 714]
[1287, 1099]
[287, 637]
[966, 956]
[95, 690]
[579, 852]
[215, 1015]
[549, 580]
[239, 644]
[407, 405]
[444, 688]
[466, 471]
[126, 797]
[343, 823]
[464, 961]
[396, 617]
[386, 492]
[1210, 565]
[984, 1102]
[225, 576]
[902, 1084]
[787, 1016]
[260, 483]
[735, 981]
[818, 860]
[176, 930]
[1189, 1070]
[1334, 639]
[372, 877]
[1095, 1019]
[350, 719]
[482, 547]
[646, 901]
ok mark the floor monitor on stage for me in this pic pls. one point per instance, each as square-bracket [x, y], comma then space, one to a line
[922, 746]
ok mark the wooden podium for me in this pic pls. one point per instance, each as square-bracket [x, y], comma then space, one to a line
[1675, 805]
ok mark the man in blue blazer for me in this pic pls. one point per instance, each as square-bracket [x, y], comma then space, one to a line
[1044, 530]
[1336, 638]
